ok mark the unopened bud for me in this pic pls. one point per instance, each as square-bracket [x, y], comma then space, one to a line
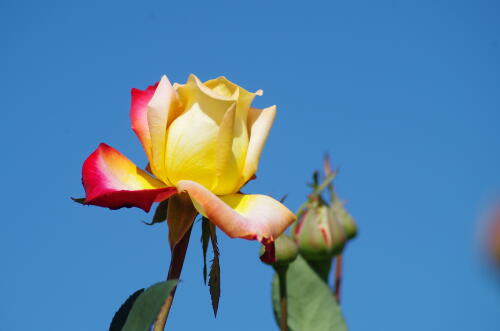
[319, 235]
[286, 251]
[345, 219]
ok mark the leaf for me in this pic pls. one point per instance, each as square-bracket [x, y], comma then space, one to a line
[121, 315]
[205, 239]
[311, 305]
[214, 280]
[321, 267]
[148, 304]
[160, 213]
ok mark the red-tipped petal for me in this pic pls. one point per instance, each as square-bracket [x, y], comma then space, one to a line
[139, 115]
[239, 215]
[113, 181]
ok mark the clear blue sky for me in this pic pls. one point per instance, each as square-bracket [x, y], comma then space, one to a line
[403, 94]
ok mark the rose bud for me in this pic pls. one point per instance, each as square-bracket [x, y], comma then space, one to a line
[286, 251]
[345, 219]
[319, 235]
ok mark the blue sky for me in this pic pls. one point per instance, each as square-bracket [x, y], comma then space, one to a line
[403, 94]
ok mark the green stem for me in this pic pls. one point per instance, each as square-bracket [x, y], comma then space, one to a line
[283, 297]
[338, 277]
[174, 272]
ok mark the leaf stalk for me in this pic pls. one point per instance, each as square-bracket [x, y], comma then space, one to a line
[283, 297]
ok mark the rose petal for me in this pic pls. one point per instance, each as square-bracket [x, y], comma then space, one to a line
[195, 86]
[161, 110]
[194, 135]
[259, 125]
[239, 215]
[139, 116]
[228, 175]
[222, 86]
[111, 180]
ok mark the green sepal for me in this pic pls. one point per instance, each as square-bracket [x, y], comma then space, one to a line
[79, 200]
[160, 213]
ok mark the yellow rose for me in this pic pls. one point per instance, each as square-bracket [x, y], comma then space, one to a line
[201, 138]
[209, 141]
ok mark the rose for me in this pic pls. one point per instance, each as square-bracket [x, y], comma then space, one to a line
[204, 139]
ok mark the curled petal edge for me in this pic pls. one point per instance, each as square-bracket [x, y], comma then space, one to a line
[260, 122]
[252, 216]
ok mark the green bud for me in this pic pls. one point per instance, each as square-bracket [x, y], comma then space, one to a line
[286, 251]
[318, 233]
[345, 219]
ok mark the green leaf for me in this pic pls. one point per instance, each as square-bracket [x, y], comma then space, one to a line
[121, 315]
[214, 280]
[205, 239]
[160, 213]
[311, 304]
[148, 305]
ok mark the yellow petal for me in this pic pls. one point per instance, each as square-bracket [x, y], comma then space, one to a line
[227, 171]
[194, 138]
[162, 109]
[259, 125]
[191, 148]
[238, 215]
[224, 87]
[195, 90]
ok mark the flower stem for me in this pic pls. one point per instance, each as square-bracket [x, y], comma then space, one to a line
[174, 272]
[283, 297]
[338, 277]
